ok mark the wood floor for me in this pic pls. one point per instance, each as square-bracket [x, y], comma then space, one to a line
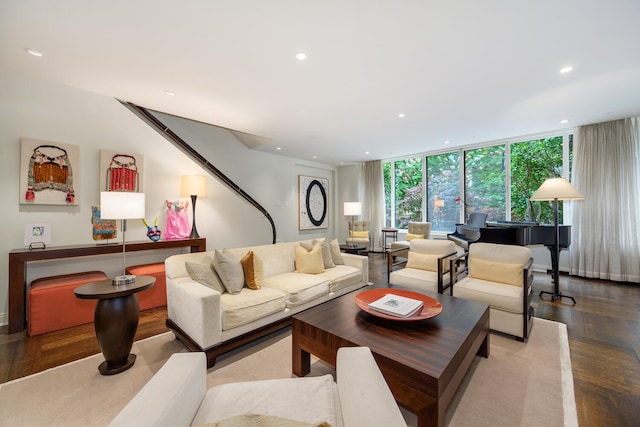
[604, 340]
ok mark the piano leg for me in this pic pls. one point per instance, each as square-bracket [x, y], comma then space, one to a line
[555, 276]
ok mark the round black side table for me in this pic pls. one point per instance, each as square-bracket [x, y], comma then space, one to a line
[115, 320]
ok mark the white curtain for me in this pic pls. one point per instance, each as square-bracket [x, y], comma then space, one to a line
[374, 202]
[605, 234]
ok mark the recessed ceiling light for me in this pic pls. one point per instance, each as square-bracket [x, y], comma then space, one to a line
[446, 142]
[401, 115]
[34, 52]
[315, 157]
[366, 152]
[278, 148]
[566, 69]
[170, 93]
[300, 56]
[564, 121]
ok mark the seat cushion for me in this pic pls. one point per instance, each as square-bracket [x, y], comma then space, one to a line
[309, 399]
[299, 287]
[342, 276]
[421, 280]
[250, 305]
[499, 296]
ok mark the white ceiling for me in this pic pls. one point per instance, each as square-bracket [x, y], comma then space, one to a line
[464, 71]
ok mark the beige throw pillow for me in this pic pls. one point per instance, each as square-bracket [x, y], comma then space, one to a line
[204, 274]
[327, 259]
[309, 261]
[336, 254]
[410, 236]
[229, 269]
[253, 270]
[510, 274]
[422, 261]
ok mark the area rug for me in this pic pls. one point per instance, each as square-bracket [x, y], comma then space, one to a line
[518, 385]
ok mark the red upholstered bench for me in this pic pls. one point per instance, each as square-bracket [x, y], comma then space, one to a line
[52, 305]
[155, 296]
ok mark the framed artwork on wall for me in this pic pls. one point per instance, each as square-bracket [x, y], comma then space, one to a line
[313, 202]
[120, 171]
[47, 171]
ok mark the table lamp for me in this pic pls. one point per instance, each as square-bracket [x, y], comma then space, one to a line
[352, 209]
[122, 205]
[194, 186]
[556, 189]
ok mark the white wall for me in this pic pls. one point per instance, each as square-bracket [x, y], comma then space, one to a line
[40, 110]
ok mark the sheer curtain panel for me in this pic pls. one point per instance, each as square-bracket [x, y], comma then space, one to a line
[374, 201]
[606, 226]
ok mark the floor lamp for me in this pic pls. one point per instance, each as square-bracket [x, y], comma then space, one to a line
[556, 189]
[352, 209]
[194, 186]
[122, 205]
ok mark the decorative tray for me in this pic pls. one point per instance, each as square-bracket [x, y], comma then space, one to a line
[431, 306]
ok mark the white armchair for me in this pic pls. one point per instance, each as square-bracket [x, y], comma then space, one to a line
[359, 234]
[176, 396]
[426, 268]
[501, 276]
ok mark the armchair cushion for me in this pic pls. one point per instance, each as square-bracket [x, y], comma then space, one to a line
[501, 272]
[422, 261]
[359, 234]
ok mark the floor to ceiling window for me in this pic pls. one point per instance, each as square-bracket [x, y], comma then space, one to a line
[496, 179]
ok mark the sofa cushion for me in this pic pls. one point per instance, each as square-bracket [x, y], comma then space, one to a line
[229, 269]
[510, 274]
[342, 276]
[336, 254]
[308, 399]
[253, 270]
[256, 420]
[250, 305]
[204, 274]
[299, 287]
[309, 261]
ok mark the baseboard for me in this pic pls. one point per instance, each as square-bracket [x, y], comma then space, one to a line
[4, 319]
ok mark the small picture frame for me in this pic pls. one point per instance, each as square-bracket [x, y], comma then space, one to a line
[37, 233]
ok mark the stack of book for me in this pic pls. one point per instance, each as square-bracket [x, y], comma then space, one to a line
[396, 305]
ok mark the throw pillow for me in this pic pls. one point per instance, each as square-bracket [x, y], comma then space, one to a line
[204, 274]
[410, 236]
[359, 234]
[229, 269]
[501, 272]
[253, 270]
[336, 254]
[327, 259]
[309, 261]
[422, 261]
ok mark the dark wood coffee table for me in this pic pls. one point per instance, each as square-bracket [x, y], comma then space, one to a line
[423, 362]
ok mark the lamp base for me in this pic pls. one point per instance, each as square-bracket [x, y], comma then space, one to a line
[557, 296]
[123, 280]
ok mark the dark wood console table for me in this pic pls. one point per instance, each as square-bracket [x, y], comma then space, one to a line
[18, 259]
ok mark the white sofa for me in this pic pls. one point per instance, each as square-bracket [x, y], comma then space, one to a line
[207, 319]
[176, 396]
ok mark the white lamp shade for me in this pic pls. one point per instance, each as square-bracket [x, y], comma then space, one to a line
[121, 205]
[557, 188]
[352, 208]
[194, 185]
